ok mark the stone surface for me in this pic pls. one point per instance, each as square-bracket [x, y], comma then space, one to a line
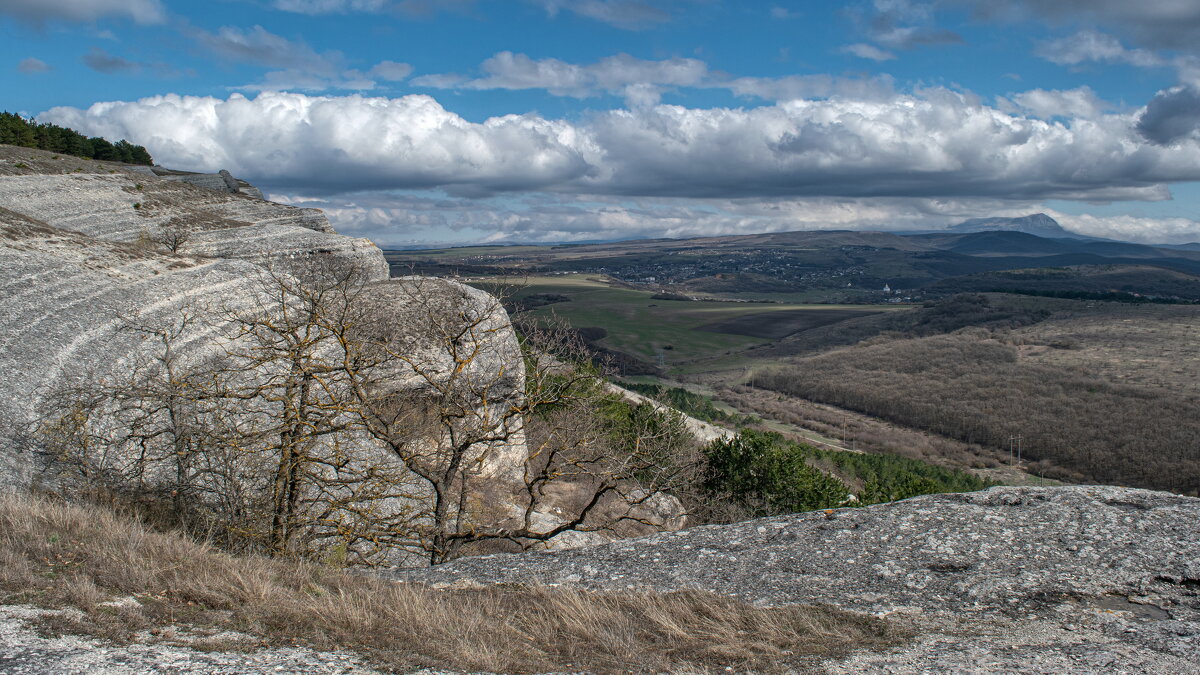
[24, 652]
[62, 299]
[1064, 579]
[123, 203]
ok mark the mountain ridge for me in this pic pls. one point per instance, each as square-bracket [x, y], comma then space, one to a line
[1038, 224]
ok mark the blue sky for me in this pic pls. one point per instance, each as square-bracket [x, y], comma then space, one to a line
[424, 122]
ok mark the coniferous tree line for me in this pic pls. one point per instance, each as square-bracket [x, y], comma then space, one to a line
[26, 133]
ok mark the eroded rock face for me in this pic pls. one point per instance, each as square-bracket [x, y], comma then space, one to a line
[84, 256]
[62, 299]
[1096, 577]
[81, 256]
[114, 203]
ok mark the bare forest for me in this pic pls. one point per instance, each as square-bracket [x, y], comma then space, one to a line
[977, 387]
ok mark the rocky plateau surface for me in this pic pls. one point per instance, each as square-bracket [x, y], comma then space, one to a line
[1053, 580]
[1008, 580]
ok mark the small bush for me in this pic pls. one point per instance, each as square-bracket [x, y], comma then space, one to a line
[768, 476]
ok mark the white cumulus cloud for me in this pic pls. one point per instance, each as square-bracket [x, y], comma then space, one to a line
[937, 144]
[343, 143]
[1080, 103]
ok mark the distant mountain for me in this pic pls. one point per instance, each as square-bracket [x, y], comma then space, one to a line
[1038, 224]
[1008, 242]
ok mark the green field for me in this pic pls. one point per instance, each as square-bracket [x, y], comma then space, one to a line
[677, 335]
[438, 254]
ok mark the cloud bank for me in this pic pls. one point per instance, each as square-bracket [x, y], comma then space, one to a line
[386, 166]
[405, 219]
[939, 144]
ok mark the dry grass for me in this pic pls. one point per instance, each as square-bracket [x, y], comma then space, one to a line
[55, 554]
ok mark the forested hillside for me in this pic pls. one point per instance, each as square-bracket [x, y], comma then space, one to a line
[16, 130]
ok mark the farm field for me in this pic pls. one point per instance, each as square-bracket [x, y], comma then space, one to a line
[672, 333]
[780, 324]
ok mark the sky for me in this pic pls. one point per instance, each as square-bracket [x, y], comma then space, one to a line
[418, 122]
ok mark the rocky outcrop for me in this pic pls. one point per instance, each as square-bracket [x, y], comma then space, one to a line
[24, 650]
[83, 250]
[222, 181]
[117, 203]
[89, 248]
[1063, 579]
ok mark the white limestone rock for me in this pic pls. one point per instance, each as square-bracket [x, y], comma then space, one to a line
[80, 255]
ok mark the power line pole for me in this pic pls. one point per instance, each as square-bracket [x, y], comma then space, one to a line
[1019, 436]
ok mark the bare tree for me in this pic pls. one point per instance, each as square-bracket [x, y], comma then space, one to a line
[294, 367]
[358, 420]
[147, 431]
[173, 237]
[463, 423]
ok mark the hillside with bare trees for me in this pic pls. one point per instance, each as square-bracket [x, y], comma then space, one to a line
[1104, 396]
